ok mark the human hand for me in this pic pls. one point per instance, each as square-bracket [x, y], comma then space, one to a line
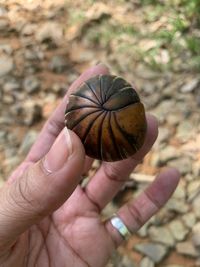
[48, 219]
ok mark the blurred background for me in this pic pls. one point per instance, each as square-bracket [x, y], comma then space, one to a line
[45, 45]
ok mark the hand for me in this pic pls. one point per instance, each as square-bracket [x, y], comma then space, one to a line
[48, 219]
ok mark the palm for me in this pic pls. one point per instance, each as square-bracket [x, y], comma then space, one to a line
[73, 234]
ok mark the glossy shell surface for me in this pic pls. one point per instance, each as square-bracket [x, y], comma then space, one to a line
[107, 115]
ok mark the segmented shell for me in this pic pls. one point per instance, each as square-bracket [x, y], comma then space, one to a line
[107, 115]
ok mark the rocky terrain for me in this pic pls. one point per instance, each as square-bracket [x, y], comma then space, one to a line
[43, 48]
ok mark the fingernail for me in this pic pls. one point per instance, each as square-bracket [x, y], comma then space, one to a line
[59, 152]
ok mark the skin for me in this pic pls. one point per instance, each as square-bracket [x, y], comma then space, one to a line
[48, 219]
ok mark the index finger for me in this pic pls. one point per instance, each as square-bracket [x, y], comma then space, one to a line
[55, 123]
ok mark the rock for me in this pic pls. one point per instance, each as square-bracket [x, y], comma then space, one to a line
[28, 114]
[186, 248]
[6, 49]
[126, 262]
[6, 65]
[49, 31]
[174, 265]
[177, 205]
[162, 235]
[196, 235]
[189, 219]
[4, 24]
[168, 153]
[174, 119]
[196, 169]
[164, 135]
[193, 189]
[185, 130]
[11, 85]
[190, 86]
[183, 164]
[28, 141]
[156, 252]
[178, 230]
[31, 84]
[34, 54]
[29, 29]
[146, 262]
[8, 99]
[11, 163]
[58, 64]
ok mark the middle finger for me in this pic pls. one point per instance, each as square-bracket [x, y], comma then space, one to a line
[111, 176]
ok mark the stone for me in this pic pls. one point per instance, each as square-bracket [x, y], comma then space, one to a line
[31, 84]
[6, 65]
[146, 262]
[162, 235]
[190, 86]
[183, 164]
[49, 31]
[126, 262]
[32, 113]
[4, 24]
[174, 265]
[177, 205]
[6, 49]
[193, 189]
[8, 99]
[28, 141]
[29, 29]
[196, 235]
[156, 252]
[187, 248]
[168, 153]
[11, 85]
[178, 229]
[173, 119]
[189, 219]
[185, 130]
[58, 64]
[164, 135]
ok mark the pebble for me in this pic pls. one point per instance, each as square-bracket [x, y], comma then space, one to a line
[178, 230]
[28, 141]
[168, 153]
[185, 130]
[11, 86]
[183, 164]
[163, 135]
[196, 235]
[193, 189]
[49, 31]
[190, 86]
[29, 29]
[187, 248]
[4, 24]
[147, 262]
[177, 205]
[162, 235]
[6, 49]
[58, 64]
[156, 252]
[189, 219]
[31, 84]
[6, 65]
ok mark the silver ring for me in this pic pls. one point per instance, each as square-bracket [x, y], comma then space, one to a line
[118, 224]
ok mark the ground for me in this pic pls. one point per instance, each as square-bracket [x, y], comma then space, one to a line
[154, 45]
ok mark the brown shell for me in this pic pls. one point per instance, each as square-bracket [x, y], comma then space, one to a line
[107, 115]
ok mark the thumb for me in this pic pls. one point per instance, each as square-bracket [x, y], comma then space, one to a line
[42, 188]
